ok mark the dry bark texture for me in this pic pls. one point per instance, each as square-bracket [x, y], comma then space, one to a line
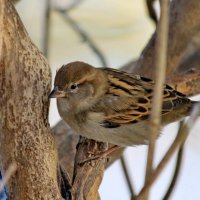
[88, 174]
[25, 138]
[67, 140]
[183, 26]
[85, 177]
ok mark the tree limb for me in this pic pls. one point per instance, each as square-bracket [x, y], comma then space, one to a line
[182, 28]
[160, 64]
[25, 136]
[88, 175]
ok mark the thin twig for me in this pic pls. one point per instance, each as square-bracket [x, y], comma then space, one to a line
[70, 7]
[176, 173]
[6, 177]
[46, 29]
[182, 135]
[160, 62]
[151, 10]
[84, 37]
[128, 180]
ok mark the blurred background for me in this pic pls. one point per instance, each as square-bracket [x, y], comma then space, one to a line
[117, 30]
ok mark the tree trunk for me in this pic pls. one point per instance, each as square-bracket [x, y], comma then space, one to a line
[25, 136]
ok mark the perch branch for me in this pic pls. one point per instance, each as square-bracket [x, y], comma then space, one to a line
[88, 175]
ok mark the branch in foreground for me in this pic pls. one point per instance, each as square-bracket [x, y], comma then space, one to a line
[182, 135]
[160, 63]
[25, 137]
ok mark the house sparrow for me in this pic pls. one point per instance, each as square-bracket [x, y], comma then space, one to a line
[110, 105]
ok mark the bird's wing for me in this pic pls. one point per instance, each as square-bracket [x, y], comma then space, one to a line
[128, 99]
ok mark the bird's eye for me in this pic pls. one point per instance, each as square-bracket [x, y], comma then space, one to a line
[73, 87]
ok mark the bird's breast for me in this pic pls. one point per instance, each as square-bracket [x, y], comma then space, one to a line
[88, 124]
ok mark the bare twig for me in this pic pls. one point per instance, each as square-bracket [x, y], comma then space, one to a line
[128, 181]
[151, 10]
[160, 62]
[6, 177]
[84, 37]
[70, 7]
[46, 29]
[176, 173]
[179, 140]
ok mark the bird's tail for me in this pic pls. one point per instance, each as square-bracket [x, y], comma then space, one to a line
[180, 112]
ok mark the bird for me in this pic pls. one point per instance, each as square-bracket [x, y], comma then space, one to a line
[110, 105]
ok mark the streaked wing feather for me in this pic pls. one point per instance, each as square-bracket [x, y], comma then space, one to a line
[128, 99]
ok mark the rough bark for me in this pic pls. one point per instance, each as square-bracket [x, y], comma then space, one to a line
[88, 174]
[67, 140]
[25, 136]
[187, 82]
[183, 26]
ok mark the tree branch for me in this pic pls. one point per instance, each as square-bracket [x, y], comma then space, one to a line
[25, 137]
[88, 175]
[151, 10]
[182, 29]
[179, 160]
[85, 37]
[160, 64]
[182, 135]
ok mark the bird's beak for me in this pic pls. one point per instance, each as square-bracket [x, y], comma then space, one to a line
[56, 93]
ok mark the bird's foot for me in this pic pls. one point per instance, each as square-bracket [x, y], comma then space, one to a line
[100, 155]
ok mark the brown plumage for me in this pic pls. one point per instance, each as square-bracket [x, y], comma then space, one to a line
[111, 105]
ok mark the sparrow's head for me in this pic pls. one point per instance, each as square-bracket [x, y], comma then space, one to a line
[79, 83]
